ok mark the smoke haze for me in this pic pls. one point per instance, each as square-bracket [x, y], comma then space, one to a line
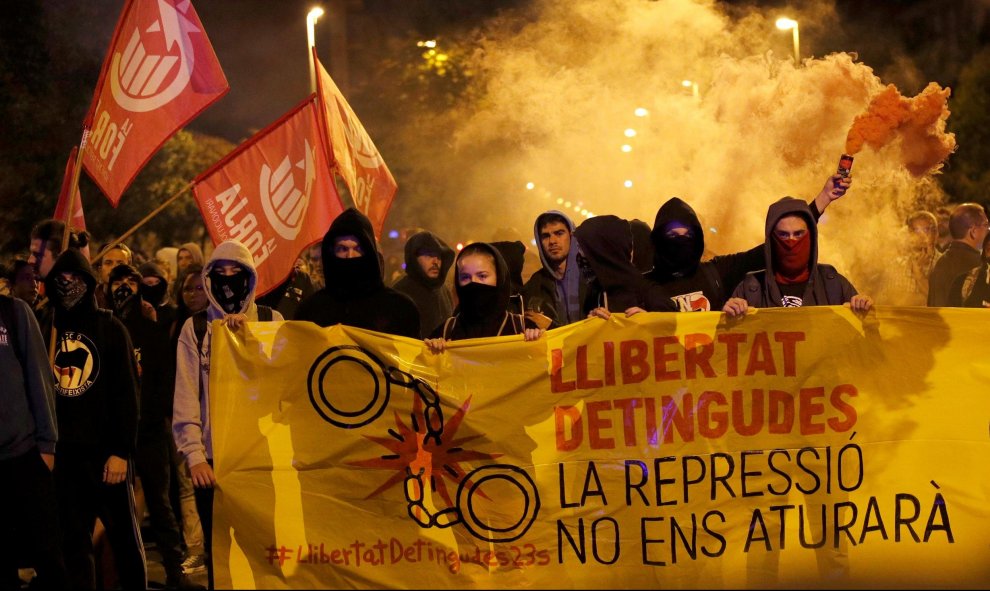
[557, 87]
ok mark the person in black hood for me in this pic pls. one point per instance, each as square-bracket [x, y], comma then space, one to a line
[154, 290]
[355, 293]
[483, 291]
[154, 454]
[97, 411]
[679, 275]
[605, 255]
[428, 260]
[792, 276]
[642, 246]
[514, 253]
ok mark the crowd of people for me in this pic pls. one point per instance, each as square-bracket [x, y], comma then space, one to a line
[105, 360]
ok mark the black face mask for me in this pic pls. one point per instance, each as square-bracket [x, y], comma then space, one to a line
[679, 254]
[68, 292]
[123, 300]
[230, 291]
[352, 276]
[153, 293]
[478, 300]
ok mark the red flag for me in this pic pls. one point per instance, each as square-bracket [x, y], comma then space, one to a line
[355, 156]
[78, 221]
[275, 193]
[159, 73]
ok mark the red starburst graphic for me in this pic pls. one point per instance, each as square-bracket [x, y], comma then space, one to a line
[410, 450]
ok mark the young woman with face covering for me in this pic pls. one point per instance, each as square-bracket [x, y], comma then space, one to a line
[483, 290]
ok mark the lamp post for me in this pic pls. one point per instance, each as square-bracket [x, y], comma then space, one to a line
[784, 24]
[311, 19]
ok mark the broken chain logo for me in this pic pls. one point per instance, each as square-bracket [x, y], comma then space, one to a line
[157, 62]
[283, 202]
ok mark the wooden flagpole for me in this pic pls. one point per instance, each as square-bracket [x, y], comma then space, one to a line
[143, 221]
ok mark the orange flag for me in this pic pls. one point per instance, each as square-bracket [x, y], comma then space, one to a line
[78, 221]
[274, 193]
[354, 154]
[159, 73]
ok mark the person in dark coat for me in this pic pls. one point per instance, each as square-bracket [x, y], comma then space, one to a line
[97, 411]
[355, 293]
[483, 292]
[968, 226]
[155, 453]
[792, 277]
[556, 290]
[679, 275]
[428, 261]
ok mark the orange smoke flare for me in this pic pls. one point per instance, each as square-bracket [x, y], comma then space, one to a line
[919, 122]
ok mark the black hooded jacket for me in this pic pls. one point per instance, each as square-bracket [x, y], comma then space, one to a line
[679, 276]
[606, 243]
[95, 374]
[470, 323]
[825, 286]
[153, 359]
[431, 296]
[354, 292]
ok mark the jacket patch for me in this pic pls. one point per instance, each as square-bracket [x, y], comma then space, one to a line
[77, 364]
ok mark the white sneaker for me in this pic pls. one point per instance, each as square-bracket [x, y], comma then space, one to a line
[194, 563]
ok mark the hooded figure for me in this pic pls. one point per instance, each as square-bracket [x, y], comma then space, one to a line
[154, 290]
[514, 254]
[792, 276]
[642, 247]
[557, 292]
[354, 292]
[678, 275]
[605, 260]
[430, 294]
[97, 413]
[229, 280]
[154, 453]
[482, 309]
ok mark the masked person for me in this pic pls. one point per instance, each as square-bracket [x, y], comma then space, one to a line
[483, 292]
[792, 276]
[97, 411]
[154, 454]
[154, 291]
[605, 258]
[355, 293]
[428, 260]
[678, 273]
[230, 280]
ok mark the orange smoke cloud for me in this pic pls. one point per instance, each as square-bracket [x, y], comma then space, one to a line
[919, 122]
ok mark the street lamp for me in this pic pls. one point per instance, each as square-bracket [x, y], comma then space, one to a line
[784, 24]
[693, 86]
[311, 39]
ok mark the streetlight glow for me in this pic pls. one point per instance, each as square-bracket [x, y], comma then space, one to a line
[630, 132]
[628, 184]
[530, 186]
[641, 112]
[311, 19]
[626, 148]
[784, 24]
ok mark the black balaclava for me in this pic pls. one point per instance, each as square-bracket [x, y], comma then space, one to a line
[357, 277]
[153, 293]
[676, 256]
[483, 307]
[125, 300]
[230, 291]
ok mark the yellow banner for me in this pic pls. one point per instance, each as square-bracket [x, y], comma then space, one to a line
[793, 448]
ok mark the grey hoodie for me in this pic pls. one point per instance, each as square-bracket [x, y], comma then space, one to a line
[191, 410]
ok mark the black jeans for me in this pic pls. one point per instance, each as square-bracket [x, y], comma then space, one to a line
[204, 505]
[29, 523]
[153, 460]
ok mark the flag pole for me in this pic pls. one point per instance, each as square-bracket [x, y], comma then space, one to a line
[143, 221]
